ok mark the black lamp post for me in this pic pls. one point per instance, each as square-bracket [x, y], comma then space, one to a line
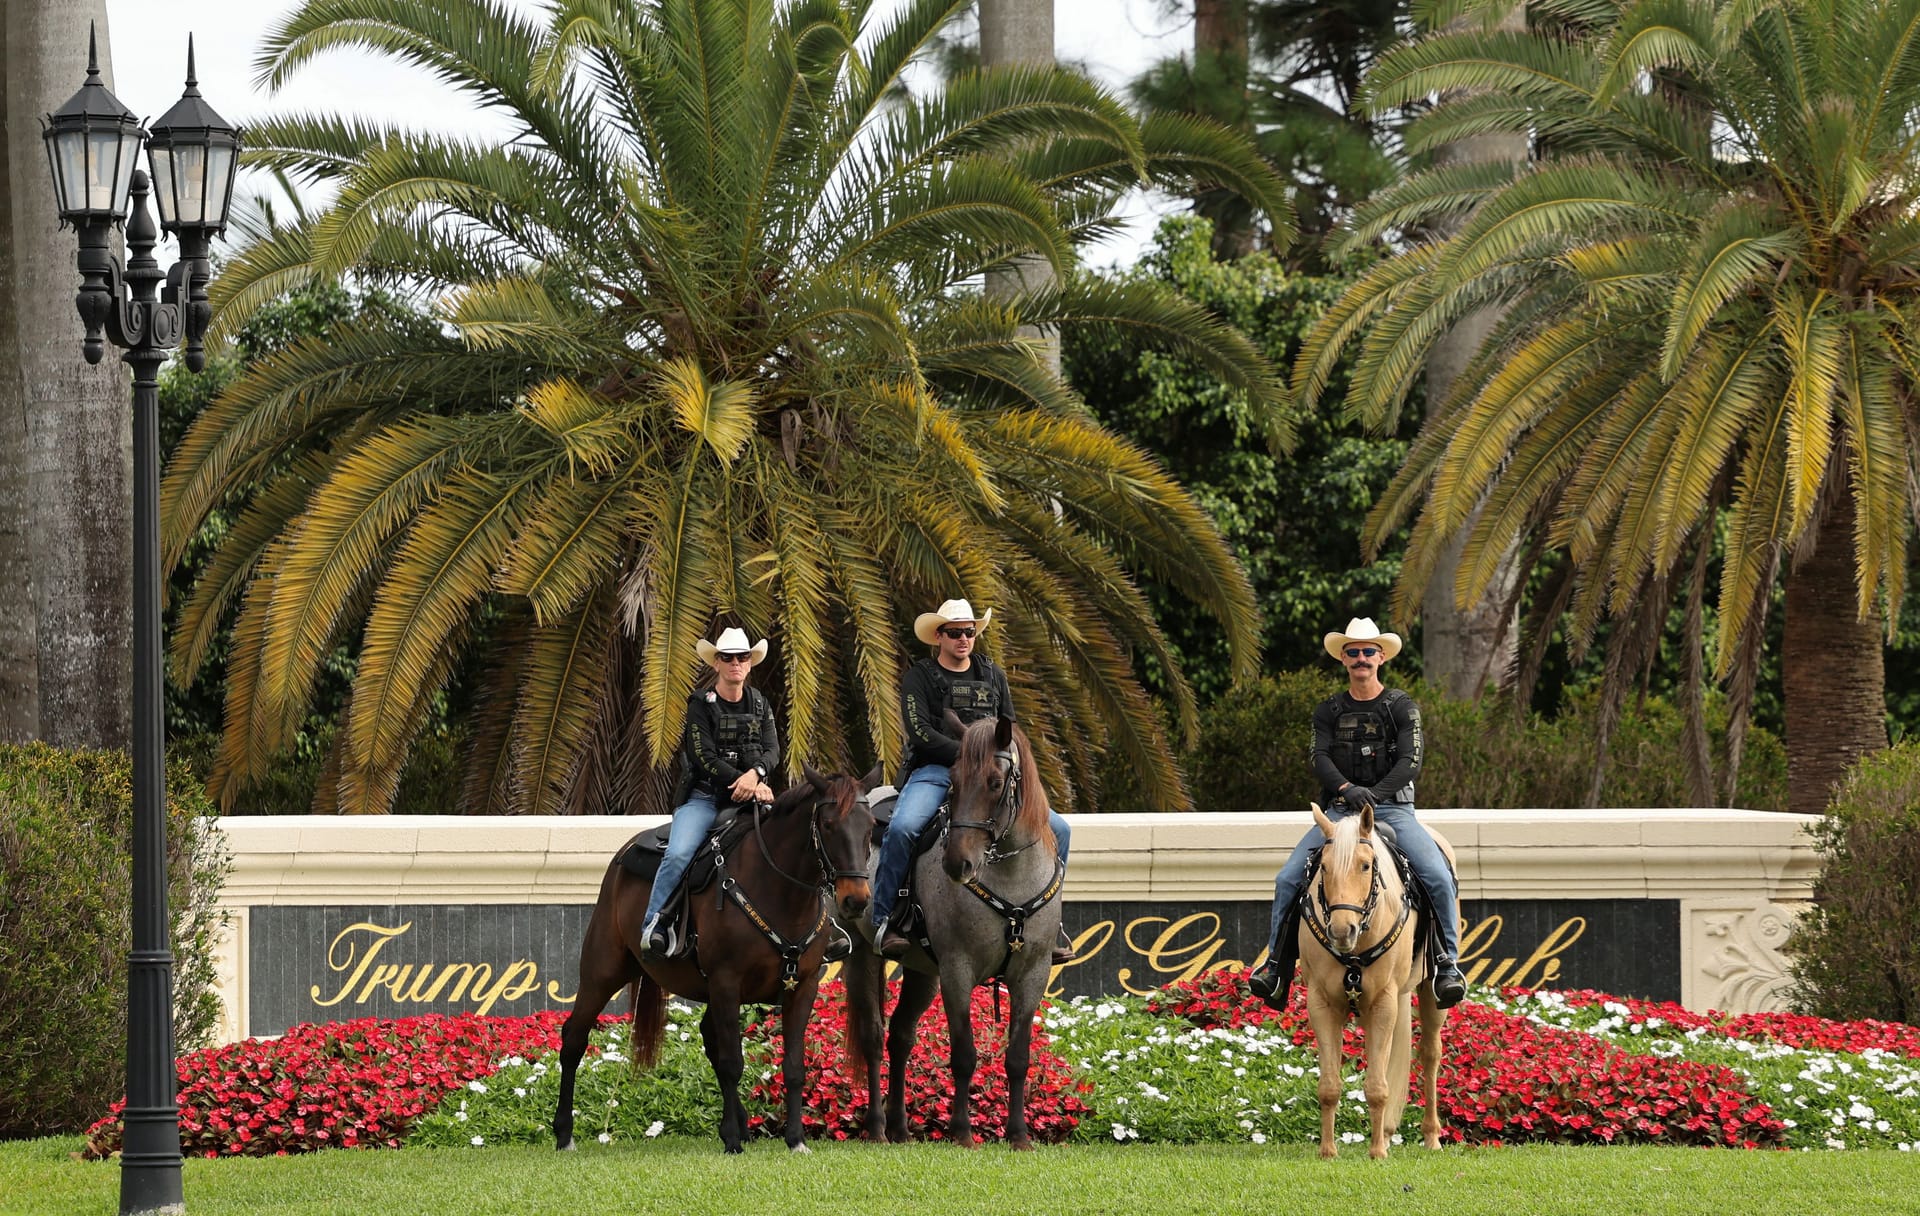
[93, 143]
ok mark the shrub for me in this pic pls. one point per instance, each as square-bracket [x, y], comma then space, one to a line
[1854, 954]
[66, 928]
[1479, 753]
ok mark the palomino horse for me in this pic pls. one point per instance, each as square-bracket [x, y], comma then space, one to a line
[997, 917]
[1357, 949]
[760, 941]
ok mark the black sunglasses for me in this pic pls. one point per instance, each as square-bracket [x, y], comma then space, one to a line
[741, 657]
[1354, 652]
[959, 632]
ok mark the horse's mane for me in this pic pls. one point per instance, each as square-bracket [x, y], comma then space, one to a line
[1344, 844]
[1343, 848]
[977, 753]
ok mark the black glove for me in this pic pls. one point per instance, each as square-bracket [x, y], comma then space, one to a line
[1359, 798]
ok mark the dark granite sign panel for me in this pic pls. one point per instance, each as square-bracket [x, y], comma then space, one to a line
[332, 963]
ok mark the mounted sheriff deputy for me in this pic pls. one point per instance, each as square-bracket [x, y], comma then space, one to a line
[1367, 751]
[973, 687]
[730, 745]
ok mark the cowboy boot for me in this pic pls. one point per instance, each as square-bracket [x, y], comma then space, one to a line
[1449, 986]
[1268, 983]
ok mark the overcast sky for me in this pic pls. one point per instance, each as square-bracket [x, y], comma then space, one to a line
[1114, 39]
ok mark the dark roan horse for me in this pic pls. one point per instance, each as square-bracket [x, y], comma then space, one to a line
[814, 835]
[998, 916]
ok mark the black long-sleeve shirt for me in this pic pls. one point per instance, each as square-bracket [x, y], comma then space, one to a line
[1389, 725]
[926, 692]
[714, 771]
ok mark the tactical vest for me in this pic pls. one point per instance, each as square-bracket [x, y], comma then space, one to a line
[1366, 743]
[972, 700]
[737, 732]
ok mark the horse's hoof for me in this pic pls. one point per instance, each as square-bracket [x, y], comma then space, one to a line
[1328, 1152]
[1022, 1145]
[801, 1147]
[734, 1150]
[567, 1147]
[1378, 1154]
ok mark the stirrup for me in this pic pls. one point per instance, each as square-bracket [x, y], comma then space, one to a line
[839, 943]
[1063, 952]
[1449, 986]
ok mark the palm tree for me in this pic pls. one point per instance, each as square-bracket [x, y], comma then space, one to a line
[705, 343]
[1711, 325]
[66, 499]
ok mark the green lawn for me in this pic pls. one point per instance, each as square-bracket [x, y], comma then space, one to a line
[692, 1176]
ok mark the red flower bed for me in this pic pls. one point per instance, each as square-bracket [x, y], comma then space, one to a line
[836, 1099]
[1791, 1029]
[356, 1084]
[1505, 1079]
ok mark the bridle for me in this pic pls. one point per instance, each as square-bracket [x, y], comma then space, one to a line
[829, 873]
[790, 951]
[1365, 910]
[1319, 925]
[1006, 808]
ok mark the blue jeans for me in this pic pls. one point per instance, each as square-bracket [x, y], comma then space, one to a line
[1429, 865]
[919, 801]
[691, 823]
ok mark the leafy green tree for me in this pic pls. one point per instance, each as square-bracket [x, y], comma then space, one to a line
[1294, 521]
[1711, 323]
[704, 344]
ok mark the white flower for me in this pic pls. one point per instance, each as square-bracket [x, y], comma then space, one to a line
[460, 1116]
[1259, 1138]
[477, 1141]
[519, 1092]
[655, 1128]
[606, 1137]
[478, 1087]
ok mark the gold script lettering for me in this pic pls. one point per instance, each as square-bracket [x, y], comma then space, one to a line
[1477, 941]
[512, 986]
[1165, 953]
[381, 935]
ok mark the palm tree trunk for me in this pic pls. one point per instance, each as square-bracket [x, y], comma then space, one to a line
[77, 462]
[19, 652]
[1020, 31]
[1465, 650]
[1220, 36]
[1832, 666]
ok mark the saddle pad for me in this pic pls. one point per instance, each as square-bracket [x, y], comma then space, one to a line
[641, 856]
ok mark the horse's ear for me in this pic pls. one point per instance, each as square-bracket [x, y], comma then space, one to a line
[1320, 818]
[955, 726]
[874, 778]
[814, 778]
[1002, 733]
[1366, 821]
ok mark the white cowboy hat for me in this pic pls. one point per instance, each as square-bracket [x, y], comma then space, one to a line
[927, 625]
[731, 641]
[1362, 629]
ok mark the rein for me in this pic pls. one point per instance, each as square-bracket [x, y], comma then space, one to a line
[789, 951]
[1317, 924]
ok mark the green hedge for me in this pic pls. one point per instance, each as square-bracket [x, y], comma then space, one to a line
[1856, 953]
[1256, 744]
[66, 927]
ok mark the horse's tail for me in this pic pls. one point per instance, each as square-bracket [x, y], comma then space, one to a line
[648, 1001]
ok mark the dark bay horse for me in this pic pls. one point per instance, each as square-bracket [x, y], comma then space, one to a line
[1357, 952]
[815, 834]
[995, 913]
